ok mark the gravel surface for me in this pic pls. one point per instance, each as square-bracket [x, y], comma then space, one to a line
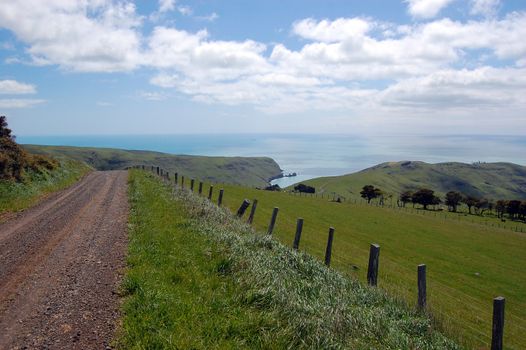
[61, 263]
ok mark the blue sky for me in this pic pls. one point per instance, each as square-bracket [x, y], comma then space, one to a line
[233, 66]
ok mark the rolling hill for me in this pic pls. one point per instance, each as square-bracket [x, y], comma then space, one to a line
[247, 171]
[488, 180]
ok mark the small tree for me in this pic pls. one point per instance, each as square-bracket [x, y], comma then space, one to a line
[406, 197]
[481, 206]
[500, 207]
[470, 201]
[425, 197]
[513, 208]
[5, 132]
[453, 199]
[304, 188]
[370, 192]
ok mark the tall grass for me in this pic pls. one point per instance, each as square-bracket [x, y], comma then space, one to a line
[15, 196]
[315, 307]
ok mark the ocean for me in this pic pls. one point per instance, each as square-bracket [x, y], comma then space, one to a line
[314, 155]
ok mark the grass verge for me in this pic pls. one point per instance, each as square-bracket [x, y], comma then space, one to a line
[186, 255]
[16, 196]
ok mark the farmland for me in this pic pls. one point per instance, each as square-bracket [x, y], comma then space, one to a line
[468, 264]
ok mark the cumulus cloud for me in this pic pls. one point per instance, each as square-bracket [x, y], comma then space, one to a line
[13, 87]
[89, 35]
[166, 5]
[426, 8]
[352, 64]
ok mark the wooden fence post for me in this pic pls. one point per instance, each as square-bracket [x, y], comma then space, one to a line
[176, 178]
[243, 208]
[220, 199]
[328, 250]
[273, 220]
[210, 191]
[200, 187]
[297, 236]
[157, 170]
[372, 270]
[252, 211]
[182, 181]
[498, 324]
[192, 181]
[422, 287]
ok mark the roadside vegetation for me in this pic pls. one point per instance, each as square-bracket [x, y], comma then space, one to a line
[200, 278]
[26, 177]
[468, 264]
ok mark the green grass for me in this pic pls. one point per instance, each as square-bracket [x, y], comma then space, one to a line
[468, 264]
[179, 294]
[246, 171]
[197, 275]
[489, 180]
[15, 196]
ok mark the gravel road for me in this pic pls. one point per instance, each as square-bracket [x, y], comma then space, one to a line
[61, 263]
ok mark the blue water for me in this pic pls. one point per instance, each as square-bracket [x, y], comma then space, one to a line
[314, 155]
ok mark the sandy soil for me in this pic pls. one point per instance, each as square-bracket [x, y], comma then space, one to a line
[61, 263]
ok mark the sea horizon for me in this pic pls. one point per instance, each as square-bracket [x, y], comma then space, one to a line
[312, 155]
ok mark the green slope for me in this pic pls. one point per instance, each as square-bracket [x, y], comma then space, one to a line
[247, 171]
[468, 264]
[198, 278]
[489, 180]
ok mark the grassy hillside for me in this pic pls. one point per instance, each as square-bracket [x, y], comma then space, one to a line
[15, 196]
[247, 171]
[468, 264]
[199, 278]
[488, 180]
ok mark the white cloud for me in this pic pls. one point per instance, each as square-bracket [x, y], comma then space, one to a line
[89, 35]
[209, 18]
[355, 65]
[13, 87]
[166, 5]
[488, 8]
[426, 8]
[185, 10]
[332, 31]
[16, 103]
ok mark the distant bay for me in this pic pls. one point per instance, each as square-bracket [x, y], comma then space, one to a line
[314, 155]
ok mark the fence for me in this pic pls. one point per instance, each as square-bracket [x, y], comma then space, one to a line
[374, 252]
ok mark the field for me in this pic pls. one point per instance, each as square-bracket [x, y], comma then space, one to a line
[485, 180]
[468, 264]
[200, 278]
[246, 171]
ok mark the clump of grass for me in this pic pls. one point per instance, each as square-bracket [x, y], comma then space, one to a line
[49, 177]
[315, 307]
[179, 289]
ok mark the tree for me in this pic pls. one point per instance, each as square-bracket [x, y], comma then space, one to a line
[522, 211]
[406, 197]
[500, 207]
[453, 199]
[470, 201]
[513, 208]
[5, 132]
[481, 206]
[304, 188]
[370, 192]
[425, 197]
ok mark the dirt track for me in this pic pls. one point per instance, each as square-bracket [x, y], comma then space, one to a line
[60, 266]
